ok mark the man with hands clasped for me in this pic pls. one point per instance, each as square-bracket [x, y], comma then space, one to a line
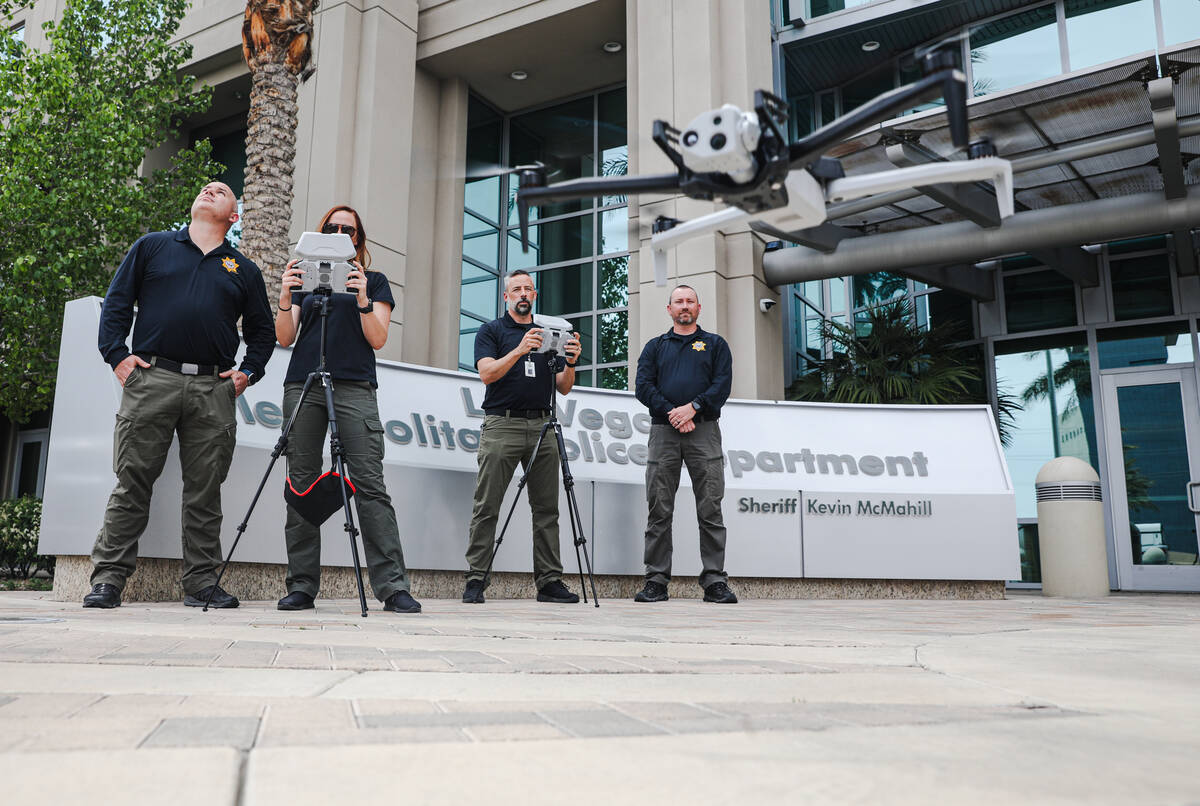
[684, 378]
[517, 405]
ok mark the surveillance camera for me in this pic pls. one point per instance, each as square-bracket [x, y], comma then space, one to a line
[765, 305]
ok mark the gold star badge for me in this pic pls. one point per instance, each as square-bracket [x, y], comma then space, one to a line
[698, 346]
[229, 264]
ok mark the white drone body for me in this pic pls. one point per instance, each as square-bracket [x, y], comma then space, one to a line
[724, 139]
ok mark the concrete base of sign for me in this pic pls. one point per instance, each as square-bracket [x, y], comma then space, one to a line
[157, 580]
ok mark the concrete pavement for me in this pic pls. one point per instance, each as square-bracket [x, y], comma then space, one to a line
[828, 701]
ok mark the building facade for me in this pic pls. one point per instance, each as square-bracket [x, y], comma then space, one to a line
[417, 106]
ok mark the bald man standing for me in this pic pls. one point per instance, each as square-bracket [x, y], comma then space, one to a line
[191, 288]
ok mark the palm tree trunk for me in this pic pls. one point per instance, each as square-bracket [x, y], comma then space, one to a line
[270, 161]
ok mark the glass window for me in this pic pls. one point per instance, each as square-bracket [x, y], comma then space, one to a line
[877, 288]
[18, 32]
[1100, 31]
[566, 290]
[1141, 287]
[475, 226]
[485, 129]
[951, 309]
[817, 8]
[482, 248]
[812, 292]
[554, 242]
[613, 136]
[1031, 555]
[1132, 245]
[466, 350]
[560, 137]
[1038, 300]
[1054, 412]
[800, 116]
[828, 108]
[1018, 49]
[472, 272]
[585, 326]
[858, 91]
[481, 298]
[614, 231]
[614, 283]
[1181, 20]
[612, 342]
[483, 196]
[614, 378]
[837, 294]
[1145, 345]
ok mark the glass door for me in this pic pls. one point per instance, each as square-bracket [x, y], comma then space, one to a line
[1151, 432]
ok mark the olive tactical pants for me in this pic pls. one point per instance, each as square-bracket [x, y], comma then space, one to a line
[504, 442]
[157, 404]
[700, 450]
[361, 433]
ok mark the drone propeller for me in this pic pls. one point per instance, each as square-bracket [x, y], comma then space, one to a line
[503, 170]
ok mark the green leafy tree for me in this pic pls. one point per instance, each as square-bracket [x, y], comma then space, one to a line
[77, 117]
[20, 521]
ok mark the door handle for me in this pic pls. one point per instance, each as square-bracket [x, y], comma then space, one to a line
[1191, 499]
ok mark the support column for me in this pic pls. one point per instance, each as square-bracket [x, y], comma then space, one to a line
[689, 56]
[355, 134]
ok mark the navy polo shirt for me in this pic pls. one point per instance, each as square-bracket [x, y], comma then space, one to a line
[348, 355]
[674, 370]
[515, 390]
[188, 303]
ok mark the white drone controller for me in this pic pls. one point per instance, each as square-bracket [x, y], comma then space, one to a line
[325, 260]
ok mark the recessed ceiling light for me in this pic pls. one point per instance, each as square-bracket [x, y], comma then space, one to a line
[613, 47]
[518, 75]
[870, 45]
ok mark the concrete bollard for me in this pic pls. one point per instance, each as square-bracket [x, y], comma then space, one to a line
[1071, 530]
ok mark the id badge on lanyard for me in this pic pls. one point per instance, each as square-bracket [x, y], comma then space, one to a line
[530, 368]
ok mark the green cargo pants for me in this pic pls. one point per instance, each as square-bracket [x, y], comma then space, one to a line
[361, 433]
[157, 404]
[700, 450]
[504, 442]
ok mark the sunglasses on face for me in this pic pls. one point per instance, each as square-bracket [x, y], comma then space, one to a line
[348, 229]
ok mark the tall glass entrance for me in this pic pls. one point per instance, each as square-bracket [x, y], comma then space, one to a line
[1152, 428]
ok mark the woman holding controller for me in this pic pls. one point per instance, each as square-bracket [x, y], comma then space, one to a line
[356, 327]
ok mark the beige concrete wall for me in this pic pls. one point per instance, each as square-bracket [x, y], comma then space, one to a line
[686, 56]
[435, 221]
[448, 24]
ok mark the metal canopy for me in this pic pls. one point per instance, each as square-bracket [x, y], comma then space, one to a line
[1095, 135]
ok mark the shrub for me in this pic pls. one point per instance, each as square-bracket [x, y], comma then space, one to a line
[20, 521]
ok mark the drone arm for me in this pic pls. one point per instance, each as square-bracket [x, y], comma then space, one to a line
[994, 169]
[949, 84]
[587, 188]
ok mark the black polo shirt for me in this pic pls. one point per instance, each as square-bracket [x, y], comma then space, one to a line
[515, 390]
[674, 369]
[189, 304]
[348, 355]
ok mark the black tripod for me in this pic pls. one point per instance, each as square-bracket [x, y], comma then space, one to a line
[581, 552]
[336, 451]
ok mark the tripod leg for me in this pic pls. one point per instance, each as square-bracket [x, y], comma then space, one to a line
[574, 517]
[280, 447]
[339, 456]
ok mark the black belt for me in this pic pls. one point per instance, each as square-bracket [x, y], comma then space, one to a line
[185, 368]
[524, 414]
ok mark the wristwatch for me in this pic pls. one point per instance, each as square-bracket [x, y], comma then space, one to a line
[251, 377]
[696, 406]
[370, 306]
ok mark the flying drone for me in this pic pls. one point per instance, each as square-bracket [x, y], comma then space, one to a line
[743, 160]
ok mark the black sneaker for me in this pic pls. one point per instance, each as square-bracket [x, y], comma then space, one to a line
[296, 600]
[402, 602]
[556, 592]
[653, 592]
[720, 593]
[474, 592]
[103, 595]
[220, 598]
